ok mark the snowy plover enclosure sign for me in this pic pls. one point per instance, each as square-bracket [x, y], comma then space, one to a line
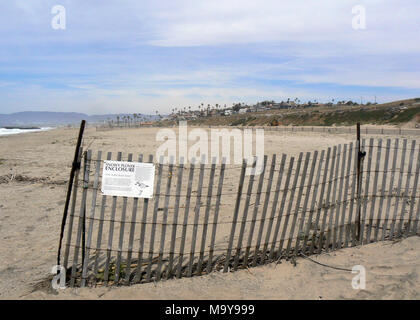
[128, 179]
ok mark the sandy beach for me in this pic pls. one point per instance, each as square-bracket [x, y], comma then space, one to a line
[34, 168]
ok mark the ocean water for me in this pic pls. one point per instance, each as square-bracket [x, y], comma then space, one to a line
[4, 131]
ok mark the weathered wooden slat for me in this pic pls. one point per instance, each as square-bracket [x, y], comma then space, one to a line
[280, 215]
[383, 187]
[327, 201]
[343, 225]
[100, 229]
[196, 217]
[91, 218]
[333, 201]
[297, 206]
[216, 215]
[407, 188]
[175, 220]
[320, 201]
[289, 206]
[206, 216]
[398, 195]
[413, 195]
[82, 215]
[350, 235]
[300, 232]
[185, 220]
[110, 233]
[312, 207]
[154, 221]
[272, 216]
[72, 210]
[264, 210]
[255, 212]
[374, 190]
[235, 216]
[121, 235]
[165, 217]
[138, 274]
[244, 216]
[416, 220]
[335, 237]
[131, 235]
[390, 188]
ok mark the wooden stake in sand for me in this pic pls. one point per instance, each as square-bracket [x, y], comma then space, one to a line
[74, 168]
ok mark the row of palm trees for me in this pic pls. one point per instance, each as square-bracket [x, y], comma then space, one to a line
[136, 119]
[129, 120]
[201, 108]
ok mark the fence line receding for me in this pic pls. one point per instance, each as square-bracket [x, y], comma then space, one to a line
[206, 217]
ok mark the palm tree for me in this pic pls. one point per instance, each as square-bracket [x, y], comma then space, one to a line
[135, 119]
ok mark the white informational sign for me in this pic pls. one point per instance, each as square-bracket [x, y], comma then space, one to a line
[128, 179]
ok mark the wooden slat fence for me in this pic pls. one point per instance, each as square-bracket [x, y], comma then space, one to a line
[206, 217]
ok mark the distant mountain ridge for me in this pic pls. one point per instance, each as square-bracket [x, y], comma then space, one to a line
[50, 118]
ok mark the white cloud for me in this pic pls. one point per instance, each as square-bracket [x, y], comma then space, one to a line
[135, 54]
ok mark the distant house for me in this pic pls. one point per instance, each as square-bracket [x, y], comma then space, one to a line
[280, 106]
[214, 112]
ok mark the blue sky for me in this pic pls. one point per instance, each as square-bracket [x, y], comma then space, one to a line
[143, 56]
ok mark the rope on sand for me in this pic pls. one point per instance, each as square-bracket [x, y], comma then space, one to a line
[325, 265]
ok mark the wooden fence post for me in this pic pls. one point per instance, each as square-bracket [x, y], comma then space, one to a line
[75, 167]
[360, 157]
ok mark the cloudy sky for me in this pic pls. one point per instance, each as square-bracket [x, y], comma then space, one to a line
[143, 56]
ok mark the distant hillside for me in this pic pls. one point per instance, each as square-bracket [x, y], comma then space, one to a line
[45, 118]
[401, 113]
